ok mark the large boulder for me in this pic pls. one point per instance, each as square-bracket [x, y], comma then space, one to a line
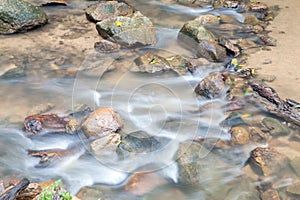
[107, 9]
[212, 86]
[101, 122]
[128, 31]
[18, 15]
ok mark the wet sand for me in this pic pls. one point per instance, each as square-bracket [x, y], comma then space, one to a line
[285, 57]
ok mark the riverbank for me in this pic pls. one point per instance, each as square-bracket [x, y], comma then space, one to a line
[285, 56]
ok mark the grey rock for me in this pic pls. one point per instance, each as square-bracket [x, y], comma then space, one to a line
[128, 31]
[18, 15]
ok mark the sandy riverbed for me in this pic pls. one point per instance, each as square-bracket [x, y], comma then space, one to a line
[285, 56]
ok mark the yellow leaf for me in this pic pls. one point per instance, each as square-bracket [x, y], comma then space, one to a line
[118, 23]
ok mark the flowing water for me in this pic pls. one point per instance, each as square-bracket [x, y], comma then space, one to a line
[61, 67]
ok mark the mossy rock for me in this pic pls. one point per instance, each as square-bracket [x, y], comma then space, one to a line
[18, 15]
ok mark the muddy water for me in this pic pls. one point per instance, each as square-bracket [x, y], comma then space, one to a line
[61, 68]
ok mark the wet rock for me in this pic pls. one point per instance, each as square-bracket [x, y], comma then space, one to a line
[101, 122]
[93, 193]
[208, 19]
[211, 50]
[106, 46]
[256, 6]
[151, 63]
[275, 127]
[12, 71]
[18, 15]
[32, 191]
[41, 108]
[227, 19]
[142, 183]
[165, 192]
[230, 47]
[51, 157]
[188, 163]
[193, 3]
[106, 146]
[295, 164]
[128, 31]
[137, 142]
[269, 195]
[226, 3]
[251, 19]
[257, 136]
[212, 86]
[242, 190]
[245, 44]
[294, 189]
[49, 123]
[179, 64]
[266, 161]
[107, 9]
[194, 32]
[239, 135]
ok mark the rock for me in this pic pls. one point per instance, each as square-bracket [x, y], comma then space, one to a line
[188, 159]
[239, 135]
[151, 63]
[49, 2]
[257, 136]
[241, 190]
[194, 32]
[18, 15]
[101, 122]
[246, 44]
[41, 108]
[12, 71]
[179, 64]
[266, 161]
[226, 3]
[93, 193]
[251, 19]
[49, 123]
[275, 127]
[194, 3]
[142, 183]
[256, 6]
[106, 46]
[106, 146]
[128, 31]
[230, 47]
[294, 189]
[227, 19]
[137, 142]
[165, 192]
[295, 164]
[208, 19]
[267, 40]
[212, 86]
[211, 50]
[269, 195]
[32, 190]
[107, 9]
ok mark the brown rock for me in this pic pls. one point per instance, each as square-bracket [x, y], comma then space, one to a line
[211, 50]
[143, 182]
[266, 161]
[101, 122]
[269, 195]
[106, 46]
[212, 86]
[208, 19]
[106, 146]
[294, 189]
[239, 135]
[151, 63]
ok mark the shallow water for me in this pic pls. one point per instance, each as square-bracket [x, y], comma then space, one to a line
[162, 104]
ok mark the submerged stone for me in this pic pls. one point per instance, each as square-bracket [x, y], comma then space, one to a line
[18, 15]
[137, 142]
[128, 31]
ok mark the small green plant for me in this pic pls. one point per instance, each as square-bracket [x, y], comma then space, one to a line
[49, 191]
